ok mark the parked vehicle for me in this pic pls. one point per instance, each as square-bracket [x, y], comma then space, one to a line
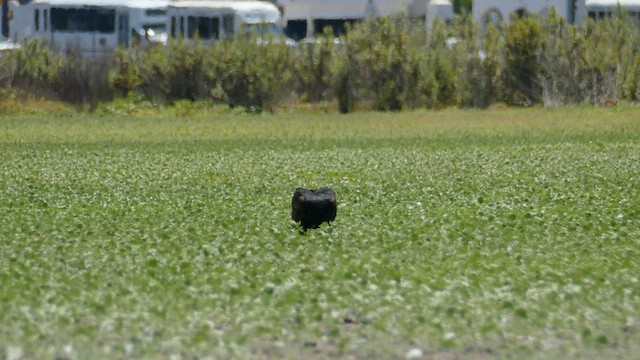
[307, 18]
[214, 20]
[93, 28]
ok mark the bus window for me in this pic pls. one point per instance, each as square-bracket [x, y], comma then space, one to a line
[83, 20]
[156, 12]
[227, 25]
[181, 25]
[191, 27]
[37, 19]
[206, 28]
[45, 15]
[173, 26]
[215, 28]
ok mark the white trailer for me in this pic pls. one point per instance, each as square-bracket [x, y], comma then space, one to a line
[214, 20]
[304, 18]
[89, 28]
[496, 11]
[148, 20]
[599, 9]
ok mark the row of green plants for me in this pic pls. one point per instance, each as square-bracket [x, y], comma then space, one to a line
[382, 64]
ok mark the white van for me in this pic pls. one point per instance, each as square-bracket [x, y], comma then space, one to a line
[218, 19]
[93, 28]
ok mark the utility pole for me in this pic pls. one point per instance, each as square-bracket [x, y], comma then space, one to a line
[5, 18]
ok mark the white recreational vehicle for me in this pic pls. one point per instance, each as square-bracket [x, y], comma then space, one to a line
[574, 11]
[304, 18]
[148, 20]
[496, 11]
[90, 28]
[599, 9]
[217, 19]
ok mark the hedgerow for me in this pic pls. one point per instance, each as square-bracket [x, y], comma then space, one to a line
[383, 64]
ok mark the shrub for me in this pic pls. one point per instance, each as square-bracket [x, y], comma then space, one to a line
[345, 74]
[477, 65]
[598, 63]
[313, 68]
[84, 80]
[186, 75]
[250, 72]
[442, 64]
[383, 64]
[521, 73]
[33, 67]
[559, 69]
[392, 63]
[125, 75]
[154, 74]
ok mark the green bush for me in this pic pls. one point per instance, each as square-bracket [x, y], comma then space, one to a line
[442, 64]
[69, 77]
[84, 80]
[125, 75]
[371, 70]
[253, 73]
[392, 63]
[624, 30]
[154, 74]
[347, 76]
[559, 69]
[598, 64]
[477, 64]
[33, 67]
[313, 68]
[521, 73]
[595, 63]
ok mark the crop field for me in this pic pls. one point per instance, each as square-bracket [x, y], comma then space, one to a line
[460, 234]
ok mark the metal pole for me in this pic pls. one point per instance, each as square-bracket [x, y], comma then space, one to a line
[5, 18]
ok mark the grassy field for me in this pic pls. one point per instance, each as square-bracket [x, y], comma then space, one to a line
[460, 234]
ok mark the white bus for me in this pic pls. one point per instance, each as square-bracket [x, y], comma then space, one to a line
[603, 9]
[305, 18]
[148, 20]
[213, 20]
[93, 28]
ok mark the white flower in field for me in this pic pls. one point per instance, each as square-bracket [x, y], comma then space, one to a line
[573, 289]
[628, 291]
[128, 349]
[14, 353]
[449, 336]
[107, 325]
[631, 322]
[414, 353]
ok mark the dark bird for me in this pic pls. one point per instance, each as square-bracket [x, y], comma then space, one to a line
[313, 207]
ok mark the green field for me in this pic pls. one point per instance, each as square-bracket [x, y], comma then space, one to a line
[460, 234]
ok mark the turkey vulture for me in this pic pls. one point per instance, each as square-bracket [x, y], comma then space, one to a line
[313, 207]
